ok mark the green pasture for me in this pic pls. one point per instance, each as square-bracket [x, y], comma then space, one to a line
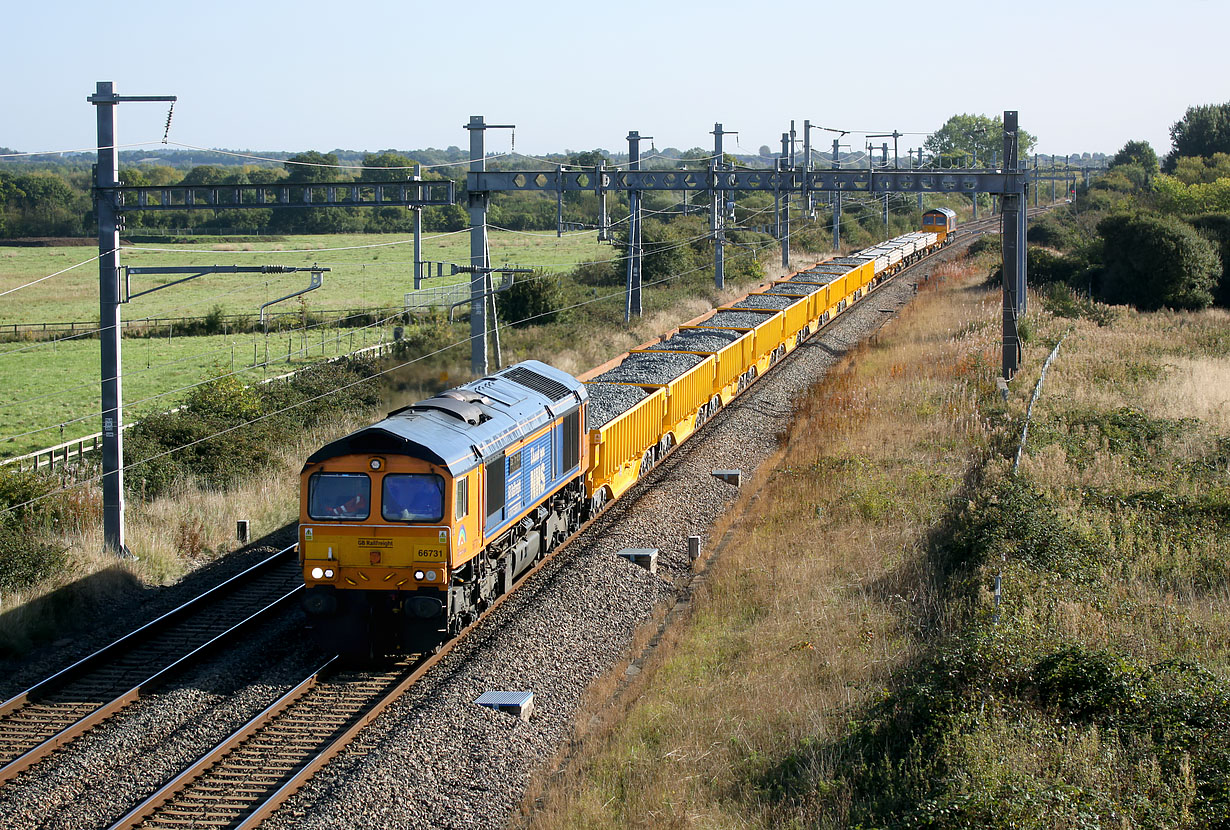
[369, 270]
[46, 385]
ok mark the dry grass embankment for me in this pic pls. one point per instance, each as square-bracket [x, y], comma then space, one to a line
[818, 593]
[845, 664]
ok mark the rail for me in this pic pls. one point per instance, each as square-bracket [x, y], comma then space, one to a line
[66, 705]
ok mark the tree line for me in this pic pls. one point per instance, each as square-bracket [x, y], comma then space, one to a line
[1152, 233]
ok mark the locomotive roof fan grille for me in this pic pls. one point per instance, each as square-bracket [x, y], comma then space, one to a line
[553, 389]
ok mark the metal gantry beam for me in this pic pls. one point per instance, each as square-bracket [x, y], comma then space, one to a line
[410, 194]
[769, 181]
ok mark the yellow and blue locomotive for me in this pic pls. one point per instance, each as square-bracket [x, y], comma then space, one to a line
[410, 527]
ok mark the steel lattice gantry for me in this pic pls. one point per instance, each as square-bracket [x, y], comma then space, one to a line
[600, 180]
[409, 194]
[1011, 183]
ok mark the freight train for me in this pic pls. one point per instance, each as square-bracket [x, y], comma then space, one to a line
[411, 527]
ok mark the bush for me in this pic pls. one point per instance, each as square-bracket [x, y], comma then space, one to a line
[1054, 230]
[598, 273]
[534, 301]
[1062, 301]
[226, 432]
[1216, 228]
[1154, 261]
[25, 560]
[987, 243]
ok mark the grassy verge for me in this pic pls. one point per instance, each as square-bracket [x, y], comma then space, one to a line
[845, 665]
[819, 588]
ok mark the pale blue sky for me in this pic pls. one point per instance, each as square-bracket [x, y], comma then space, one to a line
[1085, 76]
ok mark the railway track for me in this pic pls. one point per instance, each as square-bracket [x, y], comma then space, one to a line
[67, 705]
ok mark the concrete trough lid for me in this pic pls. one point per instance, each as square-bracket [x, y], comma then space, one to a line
[520, 704]
[647, 558]
[728, 476]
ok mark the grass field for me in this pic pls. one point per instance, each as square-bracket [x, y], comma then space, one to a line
[45, 385]
[373, 270]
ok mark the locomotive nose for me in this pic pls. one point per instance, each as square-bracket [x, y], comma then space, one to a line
[425, 608]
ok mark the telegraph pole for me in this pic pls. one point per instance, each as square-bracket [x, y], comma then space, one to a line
[106, 177]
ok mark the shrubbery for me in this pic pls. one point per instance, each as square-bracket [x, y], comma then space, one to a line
[1154, 261]
[531, 301]
[25, 557]
[225, 432]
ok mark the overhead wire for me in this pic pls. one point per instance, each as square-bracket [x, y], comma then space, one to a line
[338, 166]
[80, 149]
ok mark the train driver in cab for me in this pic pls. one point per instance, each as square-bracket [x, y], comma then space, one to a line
[412, 498]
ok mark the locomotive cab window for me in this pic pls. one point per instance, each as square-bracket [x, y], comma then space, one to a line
[345, 496]
[412, 497]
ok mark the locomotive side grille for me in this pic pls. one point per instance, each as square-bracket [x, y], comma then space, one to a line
[572, 439]
[553, 389]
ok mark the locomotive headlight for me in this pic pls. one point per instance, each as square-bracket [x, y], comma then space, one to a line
[328, 573]
[317, 573]
[431, 576]
[418, 575]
